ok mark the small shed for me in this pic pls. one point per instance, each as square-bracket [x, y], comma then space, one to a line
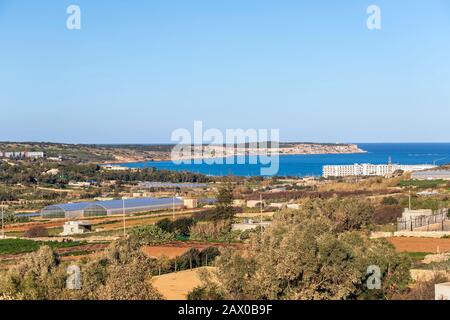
[76, 227]
[190, 203]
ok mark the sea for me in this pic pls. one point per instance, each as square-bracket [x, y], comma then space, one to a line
[311, 165]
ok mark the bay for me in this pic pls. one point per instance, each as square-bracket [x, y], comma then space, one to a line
[311, 165]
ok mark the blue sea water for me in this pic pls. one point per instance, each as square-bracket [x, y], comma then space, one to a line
[311, 165]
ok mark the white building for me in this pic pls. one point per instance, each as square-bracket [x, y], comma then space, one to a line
[409, 214]
[80, 184]
[34, 154]
[22, 154]
[111, 167]
[190, 203]
[249, 224]
[255, 203]
[367, 169]
[76, 227]
[431, 175]
[442, 291]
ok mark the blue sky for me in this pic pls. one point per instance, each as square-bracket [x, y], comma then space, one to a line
[137, 70]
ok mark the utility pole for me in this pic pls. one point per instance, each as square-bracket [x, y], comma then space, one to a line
[123, 215]
[409, 199]
[3, 223]
[173, 207]
[260, 216]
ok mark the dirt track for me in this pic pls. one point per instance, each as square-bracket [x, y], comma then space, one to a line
[176, 286]
[403, 244]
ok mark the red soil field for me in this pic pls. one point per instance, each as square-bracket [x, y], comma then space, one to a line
[403, 244]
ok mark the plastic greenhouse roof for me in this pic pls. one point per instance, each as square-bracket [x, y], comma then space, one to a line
[154, 184]
[116, 204]
[71, 206]
[136, 203]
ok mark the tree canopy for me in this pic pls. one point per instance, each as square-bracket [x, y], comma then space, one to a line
[317, 252]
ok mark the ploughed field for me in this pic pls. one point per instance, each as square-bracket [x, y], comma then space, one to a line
[404, 244]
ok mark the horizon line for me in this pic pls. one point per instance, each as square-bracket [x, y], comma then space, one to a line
[174, 143]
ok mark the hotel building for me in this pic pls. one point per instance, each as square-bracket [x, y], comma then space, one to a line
[367, 169]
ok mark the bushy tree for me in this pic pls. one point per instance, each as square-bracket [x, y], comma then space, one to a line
[312, 253]
[120, 272]
[389, 201]
[165, 224]
[38, 276]
[347, 214]
[150, 234]
[224, 206]
[36, 232]
[180, 226]
[206, 292]
[128, 271]
[387, 214]
[211, 231]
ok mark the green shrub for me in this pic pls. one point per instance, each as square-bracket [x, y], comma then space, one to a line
[150, 234]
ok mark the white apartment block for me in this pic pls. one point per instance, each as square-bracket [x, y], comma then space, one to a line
[367, 169]
[22, 154]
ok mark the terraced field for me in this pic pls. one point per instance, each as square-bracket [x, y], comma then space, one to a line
[403, 244]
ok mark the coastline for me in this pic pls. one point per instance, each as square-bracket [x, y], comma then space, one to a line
[211, 152]
[124, 163]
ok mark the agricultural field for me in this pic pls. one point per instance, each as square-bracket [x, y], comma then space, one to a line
[410, 244]
[424, 184]
[17, 246]
[177, 285]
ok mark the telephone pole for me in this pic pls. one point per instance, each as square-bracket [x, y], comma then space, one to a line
[409, 199]
[261, 212]
[123, 215]
[173, 207]
[3, 223]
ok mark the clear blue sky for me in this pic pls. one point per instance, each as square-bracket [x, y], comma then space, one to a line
[137, 70]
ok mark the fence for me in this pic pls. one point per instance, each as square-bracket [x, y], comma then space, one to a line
[435, 222]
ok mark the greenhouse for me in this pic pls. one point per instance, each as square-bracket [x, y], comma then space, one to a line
[110, 207]
[67, 210]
